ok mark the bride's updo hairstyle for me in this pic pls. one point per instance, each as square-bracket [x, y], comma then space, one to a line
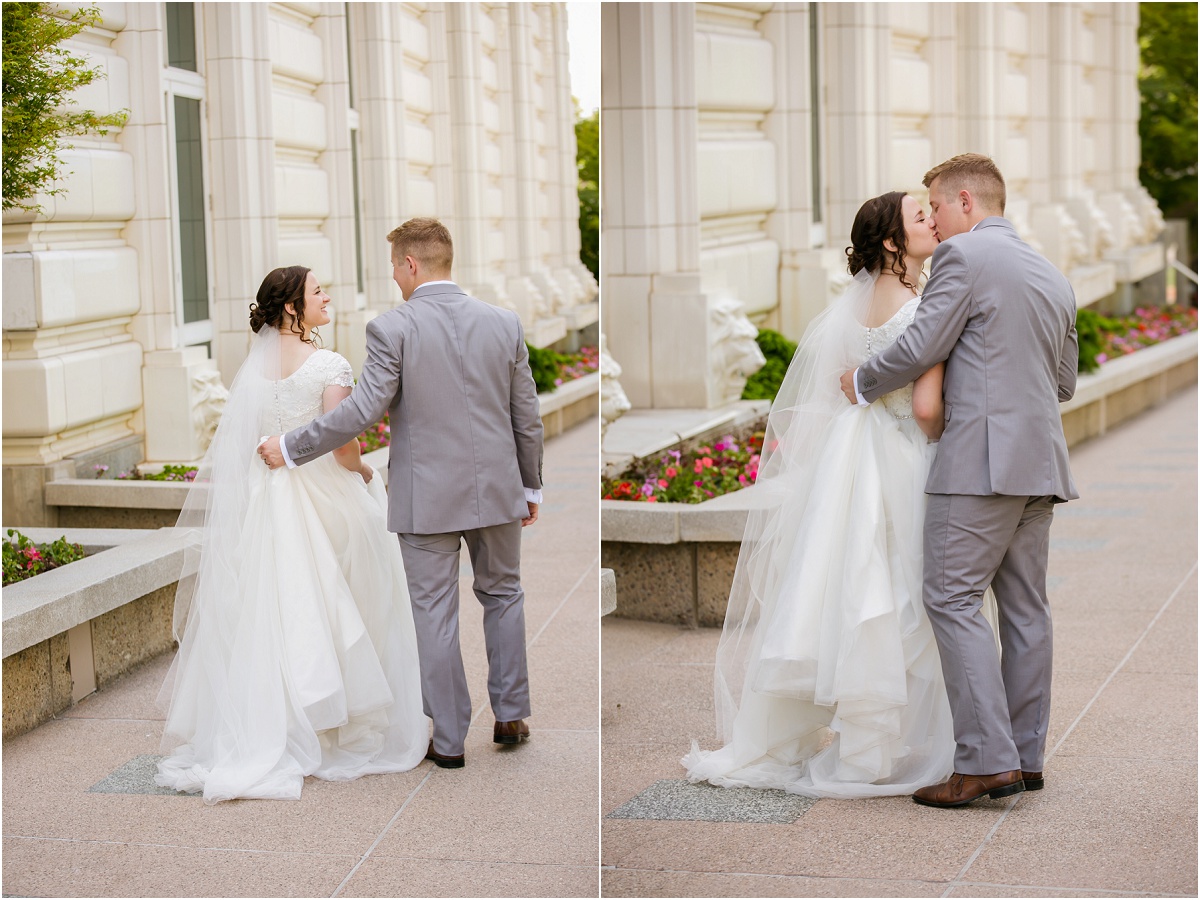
[879, 219]
[280, 287]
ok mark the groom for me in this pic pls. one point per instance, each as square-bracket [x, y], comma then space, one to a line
[1003, 319]
[465, 464]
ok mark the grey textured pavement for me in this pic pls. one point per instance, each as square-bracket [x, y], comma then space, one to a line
[1118, 814]
[81, 817]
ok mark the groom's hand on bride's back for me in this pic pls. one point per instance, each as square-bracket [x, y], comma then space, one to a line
[533, 515]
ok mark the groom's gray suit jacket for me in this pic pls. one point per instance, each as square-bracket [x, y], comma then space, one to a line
[466, 435]
[1003, 319]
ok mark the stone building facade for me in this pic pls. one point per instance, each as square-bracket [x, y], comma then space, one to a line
[262, 135]
[740, 139]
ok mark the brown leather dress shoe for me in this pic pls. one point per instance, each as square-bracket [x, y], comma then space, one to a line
[510, 732]
[445, 762]
[962, 789]
[1033, 781]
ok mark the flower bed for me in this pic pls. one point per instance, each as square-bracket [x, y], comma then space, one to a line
[693, 473]
[167, 473]
[24, 559]
[1145, 328]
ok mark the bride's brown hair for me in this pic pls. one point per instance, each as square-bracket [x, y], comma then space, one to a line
[280, 287]
[879, 219]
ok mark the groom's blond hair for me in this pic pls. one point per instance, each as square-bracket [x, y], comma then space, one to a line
[426, 240]
[972, 172]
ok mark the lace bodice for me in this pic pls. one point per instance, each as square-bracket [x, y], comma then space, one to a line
[898, 402]
[298, 397]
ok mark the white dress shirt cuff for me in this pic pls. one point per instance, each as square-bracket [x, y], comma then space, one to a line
[862, 401]
[533, 496]
[283, 450]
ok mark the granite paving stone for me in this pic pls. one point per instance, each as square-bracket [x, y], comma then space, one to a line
[682, 801]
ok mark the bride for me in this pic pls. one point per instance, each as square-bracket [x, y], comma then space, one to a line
[297, 653]
[828, 679]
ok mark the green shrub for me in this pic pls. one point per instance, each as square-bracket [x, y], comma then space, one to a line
[1093, 330]
[778, 350]
[545, 367]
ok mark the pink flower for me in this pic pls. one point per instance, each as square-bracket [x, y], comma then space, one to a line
[651, 499]
[707, 461]
[672, 471]
[662, 483]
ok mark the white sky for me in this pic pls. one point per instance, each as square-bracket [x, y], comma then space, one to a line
[583, 36]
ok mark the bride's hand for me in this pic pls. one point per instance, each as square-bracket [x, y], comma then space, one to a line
[367, 473]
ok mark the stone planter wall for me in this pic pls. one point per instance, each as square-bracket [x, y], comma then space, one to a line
[674, 562]
[72, 630]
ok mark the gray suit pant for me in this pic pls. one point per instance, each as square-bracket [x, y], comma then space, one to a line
[431, 562]
[1000, 705]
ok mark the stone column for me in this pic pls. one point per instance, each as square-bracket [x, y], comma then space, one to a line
[654, 312]
[245, 227]
[805, 267]
[524, 229]
[346, 332]
[466, 142]
[859, 124]
[380, 96]
[564, 256]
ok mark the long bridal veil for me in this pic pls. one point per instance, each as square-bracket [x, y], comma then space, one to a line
[798, 429]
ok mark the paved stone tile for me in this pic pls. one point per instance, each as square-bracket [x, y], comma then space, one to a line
[1135, 486]
[1004, 890]
[683, 801]
[1100, 824]
[132, 696]
[1079, 510]
[624, 642]
[535, 803]
[1139, 716]
[1077, 545]
[458, 878]
[625, 883]
[40, 868]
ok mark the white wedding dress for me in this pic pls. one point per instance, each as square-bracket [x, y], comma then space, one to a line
[828, 648]
[299, 655]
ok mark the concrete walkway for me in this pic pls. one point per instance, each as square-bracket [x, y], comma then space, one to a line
[82, 818]
[1118, 814]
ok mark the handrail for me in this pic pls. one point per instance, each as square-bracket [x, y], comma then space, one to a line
[1187, 273]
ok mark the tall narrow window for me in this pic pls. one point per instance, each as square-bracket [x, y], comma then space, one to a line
[814, 81]
[190, 180]
[181, 35]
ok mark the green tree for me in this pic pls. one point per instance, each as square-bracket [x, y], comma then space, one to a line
[39, 75]
[587, 155]
[1167, 82]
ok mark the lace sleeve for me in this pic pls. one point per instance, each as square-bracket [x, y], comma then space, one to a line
[339, 372]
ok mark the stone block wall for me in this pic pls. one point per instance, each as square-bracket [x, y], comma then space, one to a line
[322, 127]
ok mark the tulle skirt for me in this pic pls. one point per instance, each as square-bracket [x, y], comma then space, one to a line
[843, 693]
[312, 668]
